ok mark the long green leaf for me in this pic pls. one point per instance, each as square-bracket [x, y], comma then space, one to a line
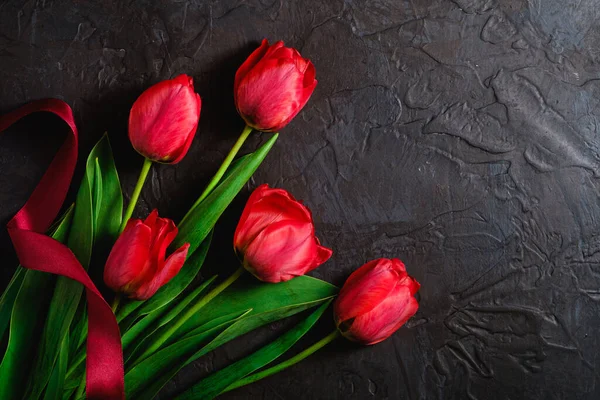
[210, 387]
[248, 292]
[78, 330]
[108, 199]
[8, 299]
[29, 305]
[162, 369]
[135, 309]
[96, 219]
[170, 359]
[156, 319]
[146, 326]
[107, 209]
[54, 390]
[201, 219]
[272, 302]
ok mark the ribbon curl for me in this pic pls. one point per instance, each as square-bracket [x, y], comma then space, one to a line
[104, 364]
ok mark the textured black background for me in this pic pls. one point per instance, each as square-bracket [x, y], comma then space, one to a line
[458, 135]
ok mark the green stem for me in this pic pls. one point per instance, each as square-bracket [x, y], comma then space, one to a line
[188, 314]
[136, 192]
[223, 168]
[283, 365]
[115, 303]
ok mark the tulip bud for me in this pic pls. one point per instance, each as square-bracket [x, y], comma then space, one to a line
[136, 265]
[276, 237]
[164, 119]
[375, 301]
[272, 86]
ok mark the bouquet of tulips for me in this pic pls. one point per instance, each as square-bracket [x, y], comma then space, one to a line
[59, 343]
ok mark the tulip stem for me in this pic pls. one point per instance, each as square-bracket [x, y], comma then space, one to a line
[136, 192]
[285, 364]
[223, 168]
[188, 314]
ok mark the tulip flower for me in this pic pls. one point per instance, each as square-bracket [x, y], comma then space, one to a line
[276, 237]
[270, 89]
[162, 125]
[164, 119]
[375, 301]
[136, 265]
[272, 86]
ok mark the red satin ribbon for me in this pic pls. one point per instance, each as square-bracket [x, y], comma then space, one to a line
[104, 374]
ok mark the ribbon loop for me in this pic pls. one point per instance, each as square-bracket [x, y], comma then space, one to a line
[104, 364]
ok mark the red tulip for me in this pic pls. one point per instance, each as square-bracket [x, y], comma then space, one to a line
[136, 265]
[375, 301]
[164, 119]
[272, 86]
[276, 237]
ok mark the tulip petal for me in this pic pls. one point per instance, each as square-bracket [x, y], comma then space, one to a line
[282, 52]
[309, 77]
[170, 268]
[365, 289]
[302, 64]
[273, 49]
[250, 62]
[264, 207]
[383, 263]
[151, 219]
[385, 319]
[127, 261]
[300, 260]
[243, 228]
[323, 254]
[158, 117]
[164, 233]
[284, 85]
[282, 250]
[307, 256]
[190, 136]
[272, 86]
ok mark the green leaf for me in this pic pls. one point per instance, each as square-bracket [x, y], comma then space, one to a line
[149, 324]
[249, 292]
[107, 208]
[170, 359]
[200, 220]
[96, 219]
[24, 323]
[156, 319]
[8, 298]
[78, 329]
[54, 390]
[97, 192]
[171, 290]
[272, 301]
[211, 386]
[108, 199]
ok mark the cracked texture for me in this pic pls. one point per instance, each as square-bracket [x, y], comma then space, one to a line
[458, 135]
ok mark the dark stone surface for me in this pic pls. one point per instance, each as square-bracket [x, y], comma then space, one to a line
[458, 135]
